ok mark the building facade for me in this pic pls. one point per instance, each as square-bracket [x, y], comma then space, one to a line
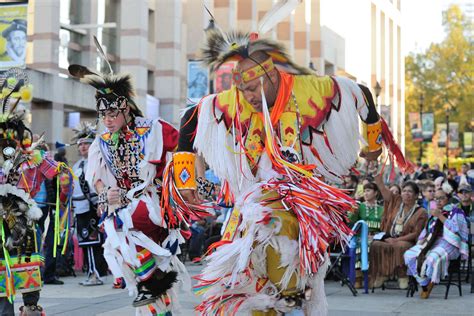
[153, 40]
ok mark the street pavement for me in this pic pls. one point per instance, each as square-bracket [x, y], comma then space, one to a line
[72, 299]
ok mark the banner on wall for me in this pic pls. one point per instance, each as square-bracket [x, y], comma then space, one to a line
[198, 81]
[13, 39]
[468, 141]
[453, 135]
[224, 77]
[415, 126]
[427, 120]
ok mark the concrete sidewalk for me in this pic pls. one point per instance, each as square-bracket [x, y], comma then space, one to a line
[74, 300]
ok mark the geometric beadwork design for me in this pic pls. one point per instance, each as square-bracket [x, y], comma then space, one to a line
[184, 176]
[379, 139]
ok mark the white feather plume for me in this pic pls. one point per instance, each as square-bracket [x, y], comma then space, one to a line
[447, 188]
[277, 14]
[102, 54]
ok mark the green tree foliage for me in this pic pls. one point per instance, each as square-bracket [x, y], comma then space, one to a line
[443, 74]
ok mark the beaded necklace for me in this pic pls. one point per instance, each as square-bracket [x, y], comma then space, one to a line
[401, 219]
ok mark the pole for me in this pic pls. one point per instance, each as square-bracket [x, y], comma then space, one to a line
[447, 139]
[421, 121]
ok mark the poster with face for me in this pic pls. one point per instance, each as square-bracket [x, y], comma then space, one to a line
[468, 141]
[224, 77]
[198, 81]
[13, 39]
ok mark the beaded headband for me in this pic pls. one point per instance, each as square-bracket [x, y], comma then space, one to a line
[255, 72]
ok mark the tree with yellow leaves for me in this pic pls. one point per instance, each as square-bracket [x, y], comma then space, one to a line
[443, 75]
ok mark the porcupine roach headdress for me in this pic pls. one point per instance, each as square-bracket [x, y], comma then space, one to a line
[84, 133]
[114, 92]
[221, 47]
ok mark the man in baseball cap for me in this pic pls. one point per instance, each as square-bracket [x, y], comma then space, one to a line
[465, 199]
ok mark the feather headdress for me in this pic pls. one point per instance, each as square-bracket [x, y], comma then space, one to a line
[13, 130]
[221, 47]
[112, 89]
[85, 132]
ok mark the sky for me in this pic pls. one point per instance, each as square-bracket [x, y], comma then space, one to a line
[422, 20]
[421, 26]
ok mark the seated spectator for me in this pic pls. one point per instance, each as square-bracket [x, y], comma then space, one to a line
[402, 221]
[465, 200]
[369, 210]
[350, 184]
[444, 238]
[450, 178]
[438, 182]
[414, 175]
[452, 174]
[428, 192]
[464, 177]
[429, 174]
[395, 189]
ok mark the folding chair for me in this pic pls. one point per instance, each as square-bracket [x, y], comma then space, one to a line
[466, 265]
[343, 263]
[336, 267]
[454, 269]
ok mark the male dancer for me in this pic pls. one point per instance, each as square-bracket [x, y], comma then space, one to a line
[125, 165]
[274, 137]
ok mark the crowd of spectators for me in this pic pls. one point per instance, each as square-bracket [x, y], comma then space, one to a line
[417, 222]
[405, 216]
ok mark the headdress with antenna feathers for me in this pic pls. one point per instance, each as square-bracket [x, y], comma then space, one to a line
[13, 131]
[114, 91]
[84, 133]
[221, 47]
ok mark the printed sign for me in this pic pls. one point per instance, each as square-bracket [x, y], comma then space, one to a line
[13, 39]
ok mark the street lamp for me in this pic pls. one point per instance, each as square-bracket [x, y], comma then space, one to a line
[211, 26]
[422, 99]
